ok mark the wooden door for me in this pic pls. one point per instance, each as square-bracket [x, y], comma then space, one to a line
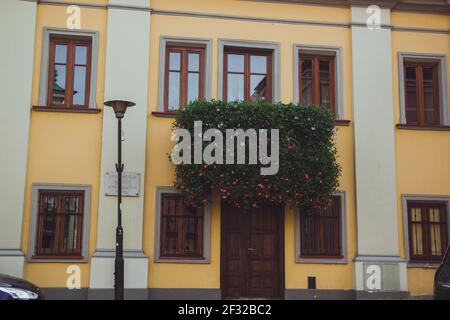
[252, 252]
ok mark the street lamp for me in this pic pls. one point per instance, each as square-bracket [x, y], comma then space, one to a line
[119, 107]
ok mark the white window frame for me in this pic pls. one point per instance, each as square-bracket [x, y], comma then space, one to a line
[343, 224]
[45, 60]
[206, 232]
[189, 42]
[441, 59]
[36, 187]
[338, 74]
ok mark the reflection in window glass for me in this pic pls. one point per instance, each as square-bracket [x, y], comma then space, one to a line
[60, 53]
[59, 84]
[258, 87]
[258, 64]
[80, 55]
[79, 85]
[235, 63]
[174, 91]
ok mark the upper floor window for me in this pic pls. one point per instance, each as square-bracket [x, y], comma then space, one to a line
[320, 231]
[247, 75]
[69, 72]
[422, 93]
[184, 76]
[59, 224]
[317, 80]
[181, 228]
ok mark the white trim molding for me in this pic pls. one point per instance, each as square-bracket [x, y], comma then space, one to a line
[343, 231]
[412, 197]
[43, 80]
[36, 187]
[206, 232]
[276, 77]
[338, 75]
[441, 59]
[184, 41]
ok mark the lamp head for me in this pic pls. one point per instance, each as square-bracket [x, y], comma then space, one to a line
[119, 107]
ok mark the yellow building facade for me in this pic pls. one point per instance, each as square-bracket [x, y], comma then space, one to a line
[395, 168]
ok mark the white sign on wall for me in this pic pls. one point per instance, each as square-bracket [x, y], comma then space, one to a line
[130, 184]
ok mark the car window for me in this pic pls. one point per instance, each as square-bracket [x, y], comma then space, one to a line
[447, 256]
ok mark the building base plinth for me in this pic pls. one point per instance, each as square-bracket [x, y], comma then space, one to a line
[12, 262]
[102, 275]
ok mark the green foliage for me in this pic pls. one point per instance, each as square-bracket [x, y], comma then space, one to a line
[308, 171]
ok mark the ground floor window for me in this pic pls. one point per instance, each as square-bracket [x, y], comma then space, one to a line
[181, 228]
[59, 223]
[320, 231]
[428, 231]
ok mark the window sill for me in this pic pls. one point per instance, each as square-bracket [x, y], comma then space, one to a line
[164, 114]
[66, 110]
[426, 265]
[45, 259]
[321, 260]
[415, 127]
[181, 260]
[342, 123]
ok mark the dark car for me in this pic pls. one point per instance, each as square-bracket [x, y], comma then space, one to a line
[12, 288]
[442, 278]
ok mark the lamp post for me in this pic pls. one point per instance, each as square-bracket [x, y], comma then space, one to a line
[119, 107]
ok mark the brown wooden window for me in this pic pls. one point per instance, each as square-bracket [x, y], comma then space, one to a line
[422, 93]
[247, 75]
[317, 80]
[60, 224]
[181, 228]
[184, 76]
[320, 231]
[427, 223]
[70, 72]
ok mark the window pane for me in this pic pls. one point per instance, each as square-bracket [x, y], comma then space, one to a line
[80, 55]
[174, 91]
[59, 84]
[258, 87]
[175, 58]
[411, 95]
[324, 80]
[60, 53]
[430, 108]
[194, 62]
[306, 89]
[193, 86]
[258, 64]
[235, 63]
[435, 231]
[79, 86]
[235, 87]
[416, 229]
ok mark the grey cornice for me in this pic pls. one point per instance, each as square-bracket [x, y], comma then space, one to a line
[424, 6]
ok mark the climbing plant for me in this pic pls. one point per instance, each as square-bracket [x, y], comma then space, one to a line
[308, 168]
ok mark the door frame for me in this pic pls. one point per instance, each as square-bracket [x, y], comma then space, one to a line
[280, 247]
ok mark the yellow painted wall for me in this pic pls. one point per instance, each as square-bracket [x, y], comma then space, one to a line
[423, 157]
[64, 147]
